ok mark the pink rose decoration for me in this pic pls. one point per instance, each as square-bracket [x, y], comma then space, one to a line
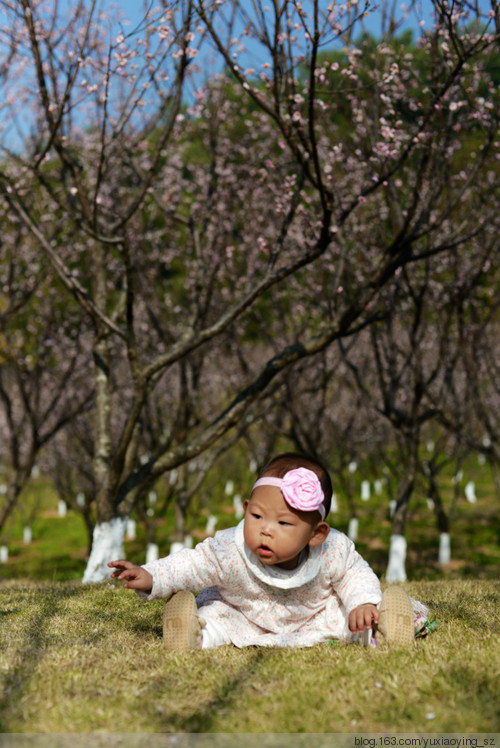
[302, 490]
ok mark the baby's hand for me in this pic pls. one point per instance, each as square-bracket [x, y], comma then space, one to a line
[137, 577]
[362, 617]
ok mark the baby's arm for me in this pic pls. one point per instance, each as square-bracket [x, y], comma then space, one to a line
[354, 582]
[361, 618]
[191, 569]
[137, 577]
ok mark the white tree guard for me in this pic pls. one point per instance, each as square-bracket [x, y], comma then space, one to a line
[470, 492]
[396, 571]
[176, 546]
[444, 548]
[152, 552]
[352, 532]
[334, 505]
[238, 506]
[107, 545]
[211, 522]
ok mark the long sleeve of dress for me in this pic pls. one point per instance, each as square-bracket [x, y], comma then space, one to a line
[353, 580]
[189, 569]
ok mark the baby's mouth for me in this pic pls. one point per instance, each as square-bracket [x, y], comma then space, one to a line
[264, 550]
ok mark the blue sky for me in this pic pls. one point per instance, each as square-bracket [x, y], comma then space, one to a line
[134, 11]
[422, 11]
[419, 19]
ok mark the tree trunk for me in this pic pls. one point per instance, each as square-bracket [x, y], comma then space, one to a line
[9, 503]
[107, 542]
[180, 522]
[14, 488]
[396, 567]
[443, 521]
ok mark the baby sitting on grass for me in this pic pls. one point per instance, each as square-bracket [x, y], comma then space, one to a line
[282, 577]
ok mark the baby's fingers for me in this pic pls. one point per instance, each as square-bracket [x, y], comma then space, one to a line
[362, 617]
[120, 564]
[135, 577]
[128, 574]
[119, 567]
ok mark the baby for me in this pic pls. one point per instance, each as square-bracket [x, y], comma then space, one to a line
[282, 577]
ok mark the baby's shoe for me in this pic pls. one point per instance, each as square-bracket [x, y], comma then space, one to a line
[395, 625]
[181, 623]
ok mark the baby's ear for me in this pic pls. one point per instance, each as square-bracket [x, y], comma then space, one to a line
[320, 534]
[245, 504]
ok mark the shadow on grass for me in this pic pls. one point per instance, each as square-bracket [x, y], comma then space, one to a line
[32, 646]
[226, 697]
[54, 567]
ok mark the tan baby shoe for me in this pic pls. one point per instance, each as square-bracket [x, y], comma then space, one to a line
[181, 624]
[395, 624]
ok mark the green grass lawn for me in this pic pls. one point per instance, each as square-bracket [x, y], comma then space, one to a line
[90, 659]
[77, 658]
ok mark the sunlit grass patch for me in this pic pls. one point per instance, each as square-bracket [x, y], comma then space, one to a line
[78, 658]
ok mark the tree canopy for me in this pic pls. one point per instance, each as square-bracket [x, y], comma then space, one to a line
[206, 233]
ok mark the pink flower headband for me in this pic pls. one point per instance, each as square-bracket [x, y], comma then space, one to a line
[301, 489]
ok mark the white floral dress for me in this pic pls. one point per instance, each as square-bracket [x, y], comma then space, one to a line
[264, 605]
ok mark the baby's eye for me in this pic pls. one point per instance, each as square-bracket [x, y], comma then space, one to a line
[257, 516]
[282, 522]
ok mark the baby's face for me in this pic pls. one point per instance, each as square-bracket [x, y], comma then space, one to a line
[275, 532]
